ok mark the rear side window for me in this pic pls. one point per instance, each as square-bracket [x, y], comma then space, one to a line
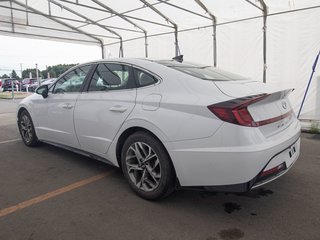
[110, 76]
[209, 73]
[144, 79]
[202, 72]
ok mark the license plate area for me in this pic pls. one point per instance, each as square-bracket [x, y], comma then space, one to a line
[292, 151]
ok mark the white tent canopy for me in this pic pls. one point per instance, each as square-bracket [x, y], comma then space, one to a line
[267, 40]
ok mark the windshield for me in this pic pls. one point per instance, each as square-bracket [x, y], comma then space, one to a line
[203, 72]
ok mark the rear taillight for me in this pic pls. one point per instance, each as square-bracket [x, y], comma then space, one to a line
[236, 111]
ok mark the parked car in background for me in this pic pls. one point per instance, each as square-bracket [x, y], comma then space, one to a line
[7, 84]
[31, 87]
[34, 86]
[27, 82]
[167, 124]
[48, 81]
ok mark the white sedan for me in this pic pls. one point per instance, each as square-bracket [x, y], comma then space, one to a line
[167, 124]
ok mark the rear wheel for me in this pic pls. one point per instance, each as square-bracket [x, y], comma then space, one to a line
[27, 130]
[147, 166]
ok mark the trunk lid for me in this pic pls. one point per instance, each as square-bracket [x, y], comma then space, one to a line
[273, 114]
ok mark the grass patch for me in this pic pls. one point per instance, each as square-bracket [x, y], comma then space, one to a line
[315, 128]
[17, 95]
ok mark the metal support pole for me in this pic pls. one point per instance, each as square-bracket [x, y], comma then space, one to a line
[146, 44]
[122, 17]
[21, 70]
[177, 50]
[214, 35]
[121, 49]
[92, 22]
[214, 25]
[265, 14]
[103, 51]
[48, 74]
[264, 48]
[56, 20]
[310, 79]
[12, 88]
[49, 8]
[37, 75]
[12, 24]
[27, 16]
[175, 26]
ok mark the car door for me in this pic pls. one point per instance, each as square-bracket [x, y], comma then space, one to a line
[101, 111]
[55, 113]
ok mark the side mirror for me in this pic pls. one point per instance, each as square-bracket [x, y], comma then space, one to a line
[43, 91]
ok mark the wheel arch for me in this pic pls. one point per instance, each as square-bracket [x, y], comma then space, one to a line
[131, 130]
[20, 110]
[128, 132]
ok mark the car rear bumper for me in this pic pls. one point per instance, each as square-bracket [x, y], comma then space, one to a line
[235, 168]
[286, 164]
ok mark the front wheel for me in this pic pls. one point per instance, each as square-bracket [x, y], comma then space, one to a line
[147, 166]
[26, 129]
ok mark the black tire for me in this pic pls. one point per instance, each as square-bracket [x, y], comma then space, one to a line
[27, 130]
[167, 181]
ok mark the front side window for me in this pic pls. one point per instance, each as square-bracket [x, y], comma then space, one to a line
[110, 76]
[72, 82]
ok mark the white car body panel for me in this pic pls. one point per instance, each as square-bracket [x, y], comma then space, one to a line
[204, 150]
[99, 115]
[54, 117]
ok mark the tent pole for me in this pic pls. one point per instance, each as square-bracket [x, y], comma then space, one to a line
[103, 53]
[177, 51]
[146, 44]
[214, 45]
[175, 26]
[265, 14]
[214, 25]
[56, 20]
[91, 21]
[11, 13]
[125, 19]
[121, 48]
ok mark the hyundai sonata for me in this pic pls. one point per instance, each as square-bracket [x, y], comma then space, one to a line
[167, 124]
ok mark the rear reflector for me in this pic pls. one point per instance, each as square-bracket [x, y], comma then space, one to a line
[274, 170]
[235, 111]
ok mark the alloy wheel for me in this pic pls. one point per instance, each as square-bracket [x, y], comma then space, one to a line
[26, 128]
[143, 166]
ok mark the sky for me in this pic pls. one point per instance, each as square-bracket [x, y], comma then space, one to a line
[29, 52]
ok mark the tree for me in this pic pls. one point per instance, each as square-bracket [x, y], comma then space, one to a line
[26, 73]
[59, 69]
[5, 76]
[52, 74]
[55, 71]
[14, 75]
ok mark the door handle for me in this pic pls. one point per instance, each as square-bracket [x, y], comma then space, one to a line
[118, 108]
[66, 105]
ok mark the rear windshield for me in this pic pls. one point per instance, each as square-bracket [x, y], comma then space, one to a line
[203, 72]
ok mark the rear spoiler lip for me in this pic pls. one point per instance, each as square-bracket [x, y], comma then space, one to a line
[282, 94]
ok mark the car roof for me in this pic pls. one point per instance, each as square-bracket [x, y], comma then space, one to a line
[139, 61]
